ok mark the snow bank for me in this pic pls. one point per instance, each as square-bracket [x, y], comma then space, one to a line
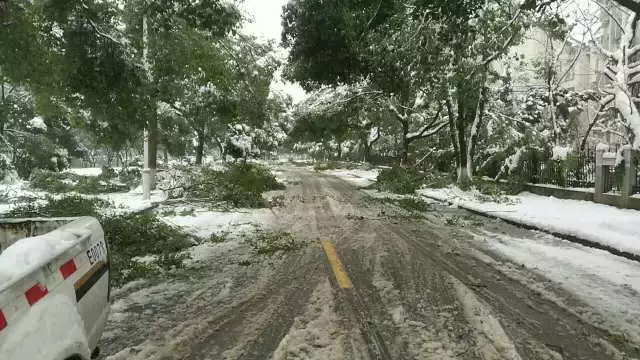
[85, 171]
[608, 283]
[358, 177]
[233, 225]
[27, 254]
[51, 327]
[606, 225]
[130, 202]
[204, 223]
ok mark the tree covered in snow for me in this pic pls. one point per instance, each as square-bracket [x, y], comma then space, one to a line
[622, 71]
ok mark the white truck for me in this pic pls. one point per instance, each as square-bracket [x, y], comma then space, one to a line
[54, 288]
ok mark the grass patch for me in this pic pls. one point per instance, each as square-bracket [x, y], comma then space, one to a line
[496, 192]
[463, 221]
[399, 180]
[413, 204]
[277, 201]
[332, 165]
[272, 242]
[57, 183]
[218, 238]
[67, 206]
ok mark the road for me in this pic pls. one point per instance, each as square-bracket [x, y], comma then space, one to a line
[371, 282]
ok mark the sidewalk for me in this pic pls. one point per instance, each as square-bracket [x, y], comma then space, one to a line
[596, 225]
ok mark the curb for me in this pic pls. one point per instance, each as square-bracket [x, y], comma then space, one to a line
[568, 237]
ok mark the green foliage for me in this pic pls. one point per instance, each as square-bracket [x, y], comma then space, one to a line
[413, 204]
[217, 238]
[241, 185]
[400, 180]
[55, 182]
[272, 242]
[128, 236]
[67, 206]
[332, 165]
[253, 177]
[142, 235]
[463, 221]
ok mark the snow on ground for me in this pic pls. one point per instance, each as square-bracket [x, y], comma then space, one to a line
[493, 342]
[130, 202]
[233, 225]
[17, 193]
[608, 283]
[607, 225]
[316, 334]
[357, 177]
[85, 171]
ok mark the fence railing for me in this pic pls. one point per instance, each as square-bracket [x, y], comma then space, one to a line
[576, 171]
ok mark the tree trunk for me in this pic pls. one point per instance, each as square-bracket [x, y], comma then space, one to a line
[461, 170]
[473, 135]
[166, 157]
[3, 108]
[153, 145]
[200, 149]
[404, 156]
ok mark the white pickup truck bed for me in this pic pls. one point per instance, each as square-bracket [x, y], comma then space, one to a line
[54, 288]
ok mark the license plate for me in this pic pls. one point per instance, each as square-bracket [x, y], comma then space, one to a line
[96, 252]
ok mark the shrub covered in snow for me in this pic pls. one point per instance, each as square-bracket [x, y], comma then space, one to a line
[57, 182]
[67, 206]
[400, 180]
[135, 236]
[241, 185]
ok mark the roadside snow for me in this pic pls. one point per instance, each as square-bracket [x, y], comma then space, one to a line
[607, 225]
[204, 223]
[130, 202]
[38, 123]
[608, 283]
[357, 177]
[51, 326]
[232, 225]
[85, 171]
[27, 254]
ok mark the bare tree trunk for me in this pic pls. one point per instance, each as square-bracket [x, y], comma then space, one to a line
[200, 149]
[3, 108]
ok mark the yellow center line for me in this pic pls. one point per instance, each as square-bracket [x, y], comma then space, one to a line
[336, 265]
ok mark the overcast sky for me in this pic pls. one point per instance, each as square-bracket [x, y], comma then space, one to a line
[267, 24]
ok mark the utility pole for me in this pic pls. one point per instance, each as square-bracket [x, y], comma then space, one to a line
[151, 130]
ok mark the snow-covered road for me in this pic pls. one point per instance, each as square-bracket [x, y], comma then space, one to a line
[446, 285]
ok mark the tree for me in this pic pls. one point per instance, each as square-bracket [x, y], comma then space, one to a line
[151, 26]
[622, 69]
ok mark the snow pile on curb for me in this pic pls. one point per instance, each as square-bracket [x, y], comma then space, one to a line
[603, 224]
[234, 225]
[358, 177]
[85, 171]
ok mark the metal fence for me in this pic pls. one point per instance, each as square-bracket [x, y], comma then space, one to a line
[578, 171]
